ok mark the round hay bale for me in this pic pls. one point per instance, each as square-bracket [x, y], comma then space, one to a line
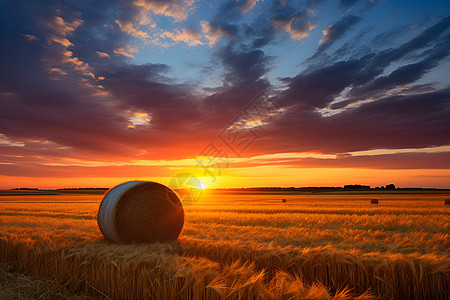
[283, 200]
[140, 211]
[374, 201]
[447, 201]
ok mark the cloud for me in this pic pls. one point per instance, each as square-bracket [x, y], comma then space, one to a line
[421, 41]
[294, 20]
[30, 37]
[45, 171]
[308, 91]
[247, 5]
[188, 36]
[57, 56]
[71, 112]
[176, 9]
[396, 161]
[403, 161]
[132, 30]
[260, 33]
[127, 52]
[395, 122]
[385, 113]
[385, 162]
[297, 25]
[405, 74]
[243, 66]
[214, 31]
[61, 27]
[336, 31]
[103, 54]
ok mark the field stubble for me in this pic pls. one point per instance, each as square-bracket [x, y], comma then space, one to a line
[242, 246]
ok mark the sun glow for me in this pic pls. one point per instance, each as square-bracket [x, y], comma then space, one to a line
[139, 119]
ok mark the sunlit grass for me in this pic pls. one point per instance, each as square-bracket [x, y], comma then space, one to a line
[242, 246]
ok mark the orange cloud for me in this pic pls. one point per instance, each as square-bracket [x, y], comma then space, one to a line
[190, 37]
[212, 34]
[325, 36]
[61, 40]
[61, 27]
[57, 57]
[296, 33]
[103, 54]
[132, 30]
[298, 27]
[127, 51]
[58, 70]
[176, 9]
[30, 37]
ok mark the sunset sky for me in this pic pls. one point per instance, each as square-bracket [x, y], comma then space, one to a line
[95, 93]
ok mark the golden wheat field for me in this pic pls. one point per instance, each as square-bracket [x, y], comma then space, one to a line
[239, 246]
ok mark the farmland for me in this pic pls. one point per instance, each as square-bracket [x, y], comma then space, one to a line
[239, 245]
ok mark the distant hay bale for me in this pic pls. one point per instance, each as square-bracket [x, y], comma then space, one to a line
[447, 201]
[140, 211]
[374, 201]
[284, 200]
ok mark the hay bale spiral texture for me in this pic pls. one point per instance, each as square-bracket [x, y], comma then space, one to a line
[140, 211]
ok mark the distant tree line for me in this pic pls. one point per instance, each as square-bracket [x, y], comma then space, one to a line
[356, 187]
[347, 187]
[387, 187]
